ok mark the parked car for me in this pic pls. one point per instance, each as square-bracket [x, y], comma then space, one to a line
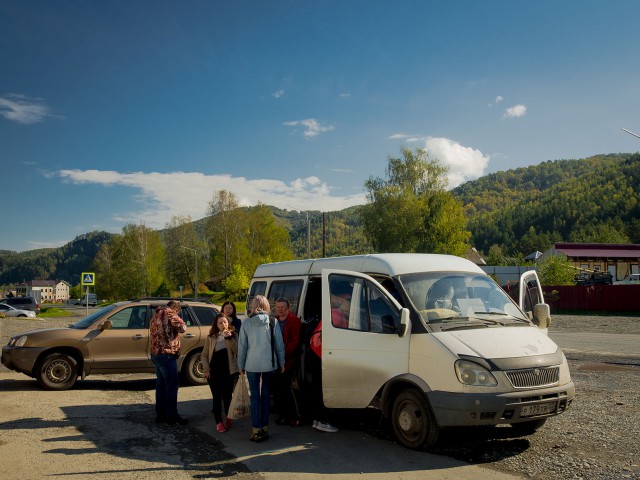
[9, 311]
[114, 339]
[594, 278]
[23, 303]
[631, 279]
[91, 299]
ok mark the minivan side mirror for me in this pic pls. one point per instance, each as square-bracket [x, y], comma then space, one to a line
[405, 323]
[542, 315]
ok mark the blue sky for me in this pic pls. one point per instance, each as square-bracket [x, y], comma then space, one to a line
[116, 112]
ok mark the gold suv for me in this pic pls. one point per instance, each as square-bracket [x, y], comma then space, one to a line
[114, 339]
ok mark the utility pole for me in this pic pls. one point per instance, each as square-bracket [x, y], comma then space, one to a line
[308, 236]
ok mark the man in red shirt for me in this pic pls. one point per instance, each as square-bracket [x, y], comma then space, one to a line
[284, 397]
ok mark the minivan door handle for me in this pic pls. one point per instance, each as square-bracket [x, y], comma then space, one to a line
[189, 335]
[138, 337]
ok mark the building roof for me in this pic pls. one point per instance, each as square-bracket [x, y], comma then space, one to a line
[599, 250]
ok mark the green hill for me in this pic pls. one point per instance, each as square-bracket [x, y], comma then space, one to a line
[521, 210]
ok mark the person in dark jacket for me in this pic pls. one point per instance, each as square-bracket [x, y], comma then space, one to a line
[285, 399]
[229, 309]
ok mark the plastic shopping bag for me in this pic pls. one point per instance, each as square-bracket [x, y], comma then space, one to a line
[240, 403]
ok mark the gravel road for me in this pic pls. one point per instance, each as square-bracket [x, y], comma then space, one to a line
[597, 438]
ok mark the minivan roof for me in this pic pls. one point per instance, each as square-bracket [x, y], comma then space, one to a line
[384, 263]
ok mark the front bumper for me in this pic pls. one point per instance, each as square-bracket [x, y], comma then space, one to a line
[469, 409]
[21, 359]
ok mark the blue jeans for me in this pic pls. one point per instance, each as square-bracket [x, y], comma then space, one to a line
[166, 385]
[260, 399]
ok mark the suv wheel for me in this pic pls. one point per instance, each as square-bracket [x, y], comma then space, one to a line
[57, 372]
[192, 370]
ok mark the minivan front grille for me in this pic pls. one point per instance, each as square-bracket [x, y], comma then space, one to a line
[534, 377]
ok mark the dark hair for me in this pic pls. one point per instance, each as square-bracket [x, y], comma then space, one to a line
[214, 330]
[174, 305]
[233, 305]
[283, 300]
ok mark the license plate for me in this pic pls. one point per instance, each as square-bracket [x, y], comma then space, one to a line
[540, 409]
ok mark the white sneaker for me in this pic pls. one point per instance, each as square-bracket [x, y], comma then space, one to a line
[326, 427]
[315, 424]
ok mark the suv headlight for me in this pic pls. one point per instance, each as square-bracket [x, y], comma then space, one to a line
[20, 341]
[470, 373]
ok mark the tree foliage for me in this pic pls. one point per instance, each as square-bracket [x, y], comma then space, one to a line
[182, 243]
[410, 210]
[556, 270]
[130, 264]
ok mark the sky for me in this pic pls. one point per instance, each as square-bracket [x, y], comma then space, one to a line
[118, 112]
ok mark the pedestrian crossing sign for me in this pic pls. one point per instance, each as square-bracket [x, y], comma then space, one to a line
[88, 278]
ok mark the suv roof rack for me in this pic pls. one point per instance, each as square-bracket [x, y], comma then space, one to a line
[179, 299]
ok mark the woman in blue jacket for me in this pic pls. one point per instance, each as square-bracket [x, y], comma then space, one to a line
[260, 352]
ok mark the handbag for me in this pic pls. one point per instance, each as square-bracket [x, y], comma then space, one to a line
[240, 403]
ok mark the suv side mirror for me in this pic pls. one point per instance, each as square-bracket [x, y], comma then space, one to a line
[542, 315]
[106, 325]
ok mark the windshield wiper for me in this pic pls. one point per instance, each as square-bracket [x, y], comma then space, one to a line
[502, 314]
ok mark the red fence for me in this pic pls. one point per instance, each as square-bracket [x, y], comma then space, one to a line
[610, 298]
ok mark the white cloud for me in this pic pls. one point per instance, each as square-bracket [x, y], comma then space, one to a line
[277, 94]
[21, 109]
[465, 163]
[515, 111]
[499, 99]
[345, 95]
[162, 195]
[313, 127]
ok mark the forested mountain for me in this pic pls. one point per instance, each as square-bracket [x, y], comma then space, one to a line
[527, 209]
[520, 210]
[52, 263]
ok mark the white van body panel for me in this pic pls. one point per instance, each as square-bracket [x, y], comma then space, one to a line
[385, 263]
[494, 343]
[356, 364]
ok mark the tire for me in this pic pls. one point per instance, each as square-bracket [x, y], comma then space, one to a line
[57, 371]
[22, 316]
[414, 424]
[528, 428]
[192, 370]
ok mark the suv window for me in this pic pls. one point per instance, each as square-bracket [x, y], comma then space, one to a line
[131, 318]
[205, 315]
[186, 315]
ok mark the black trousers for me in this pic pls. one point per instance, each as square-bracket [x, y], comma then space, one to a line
[221, 384]
[285, 399]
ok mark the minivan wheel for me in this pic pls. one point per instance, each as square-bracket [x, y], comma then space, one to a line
[193, 371]
[413, 422]
[57, 371]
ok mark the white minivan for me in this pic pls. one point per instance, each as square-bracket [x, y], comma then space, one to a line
[430, 340]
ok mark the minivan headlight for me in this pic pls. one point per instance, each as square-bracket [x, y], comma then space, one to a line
[470, 373]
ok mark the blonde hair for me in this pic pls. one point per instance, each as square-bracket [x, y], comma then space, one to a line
[260, 304]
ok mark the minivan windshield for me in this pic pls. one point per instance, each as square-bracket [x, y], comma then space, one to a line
[444, 297]
[88, 321]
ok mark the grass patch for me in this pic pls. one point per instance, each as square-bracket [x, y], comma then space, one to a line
[52, 312]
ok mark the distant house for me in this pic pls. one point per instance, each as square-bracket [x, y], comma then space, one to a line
[617, 259]
[45, 291]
